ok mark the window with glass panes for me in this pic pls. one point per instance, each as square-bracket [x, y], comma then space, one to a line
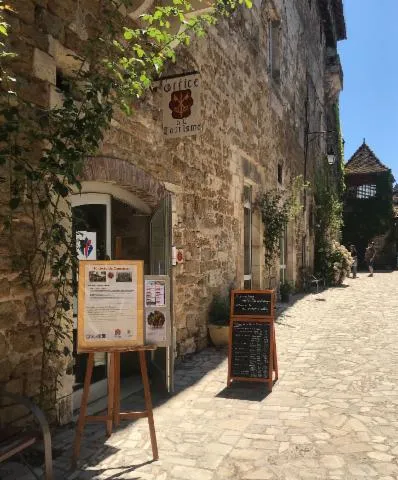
[366, 191]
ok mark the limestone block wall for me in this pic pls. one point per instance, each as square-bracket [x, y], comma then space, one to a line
[251, 121]
[250, 125]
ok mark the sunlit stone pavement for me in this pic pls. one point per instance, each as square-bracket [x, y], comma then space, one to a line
[333, 414]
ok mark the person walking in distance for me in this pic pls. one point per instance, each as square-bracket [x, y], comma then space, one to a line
[354, 266]
[370, 257]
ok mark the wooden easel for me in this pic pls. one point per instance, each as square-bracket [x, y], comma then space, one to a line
[113, 416]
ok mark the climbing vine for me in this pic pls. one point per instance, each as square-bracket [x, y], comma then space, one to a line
[328, 218]
[42, 151]
[340, 153]
[277, 208]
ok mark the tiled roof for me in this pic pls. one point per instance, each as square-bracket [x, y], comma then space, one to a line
[364, 161]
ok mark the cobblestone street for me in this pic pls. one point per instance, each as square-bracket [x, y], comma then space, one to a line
[333, 414]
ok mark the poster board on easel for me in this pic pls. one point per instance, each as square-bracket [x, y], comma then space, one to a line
[110, 304]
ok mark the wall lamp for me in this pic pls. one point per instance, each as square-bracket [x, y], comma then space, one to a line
[331, 156]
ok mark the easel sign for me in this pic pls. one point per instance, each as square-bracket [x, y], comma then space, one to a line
[110, 304]
[252, 347]
[253, 303]
[157, 310]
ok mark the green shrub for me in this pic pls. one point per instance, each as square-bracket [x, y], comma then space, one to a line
[219, 310]
[286, 288]
[338, 261]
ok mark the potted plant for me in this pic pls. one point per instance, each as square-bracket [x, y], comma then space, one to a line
[218, 324]
[285, 290]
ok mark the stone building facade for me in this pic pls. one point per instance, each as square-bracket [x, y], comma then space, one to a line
[270, 78]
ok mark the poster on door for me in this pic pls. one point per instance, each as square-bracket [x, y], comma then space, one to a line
[157, 310]
[110, 304]
[86, 245]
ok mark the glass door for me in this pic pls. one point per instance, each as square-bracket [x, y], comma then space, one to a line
[162, 359]
[91, 226]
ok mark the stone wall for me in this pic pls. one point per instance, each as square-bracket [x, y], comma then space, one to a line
[252, 122]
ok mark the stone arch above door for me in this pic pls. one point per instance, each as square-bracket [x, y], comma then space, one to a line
[124, 175]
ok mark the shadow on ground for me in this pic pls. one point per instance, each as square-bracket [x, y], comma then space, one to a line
[252, 392]
[120, 472]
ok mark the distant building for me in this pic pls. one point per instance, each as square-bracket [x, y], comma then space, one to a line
[368, 207]
[395, 207]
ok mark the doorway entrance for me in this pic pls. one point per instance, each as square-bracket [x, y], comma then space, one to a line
[120, 229]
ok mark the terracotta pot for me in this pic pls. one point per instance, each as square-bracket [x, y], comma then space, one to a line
[219, 335]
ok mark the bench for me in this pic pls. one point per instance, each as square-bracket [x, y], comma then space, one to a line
[14, 441]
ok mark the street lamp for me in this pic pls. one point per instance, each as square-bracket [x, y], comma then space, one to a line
[331, 156]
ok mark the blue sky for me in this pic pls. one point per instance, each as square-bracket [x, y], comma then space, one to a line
[369, 101]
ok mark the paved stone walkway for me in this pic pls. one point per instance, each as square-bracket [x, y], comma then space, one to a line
[333, 414]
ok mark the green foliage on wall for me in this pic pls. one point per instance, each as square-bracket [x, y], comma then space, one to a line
[328, 195]
[340, 153]
[366, 218]
[277, 208]
[328, 218]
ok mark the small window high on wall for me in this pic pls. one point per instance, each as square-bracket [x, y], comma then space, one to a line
[274, 49]
[366, 191]
[247, 236]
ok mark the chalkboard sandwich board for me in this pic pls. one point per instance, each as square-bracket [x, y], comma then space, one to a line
[252, 303]
[251, 351]
[252, 346]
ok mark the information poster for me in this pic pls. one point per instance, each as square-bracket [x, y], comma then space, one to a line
[110, 302]
[157, 310]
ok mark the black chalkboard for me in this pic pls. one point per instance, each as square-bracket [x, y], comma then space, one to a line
[251, 349]
[252, 303]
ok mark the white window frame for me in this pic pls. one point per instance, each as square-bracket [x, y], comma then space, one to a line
[282, 256]
[274, 49]
[247, 205]
[78, 200]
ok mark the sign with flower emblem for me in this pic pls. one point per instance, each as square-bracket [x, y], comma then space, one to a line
[181, 106]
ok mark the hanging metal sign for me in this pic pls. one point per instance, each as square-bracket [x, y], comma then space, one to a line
[181, 106]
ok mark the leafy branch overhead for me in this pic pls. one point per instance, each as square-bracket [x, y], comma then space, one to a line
[42, 151]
